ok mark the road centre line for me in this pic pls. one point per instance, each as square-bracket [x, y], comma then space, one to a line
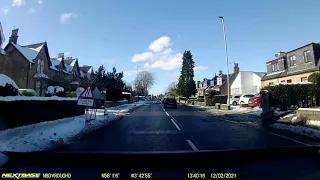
[192, 145]
[167, 113]
[175, 124]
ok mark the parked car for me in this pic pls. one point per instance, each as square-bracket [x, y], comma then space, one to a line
[234, 99]
[255, 101]
[245, 98]
[28, 92]
[170, 102]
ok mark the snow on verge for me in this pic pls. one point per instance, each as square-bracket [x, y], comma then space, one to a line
[125, 107]
[46, 135]
[7, 80]
[298, 129]
[36, 98]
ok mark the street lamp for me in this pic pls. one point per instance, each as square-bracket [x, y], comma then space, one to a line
[226, 50]
[136, 81]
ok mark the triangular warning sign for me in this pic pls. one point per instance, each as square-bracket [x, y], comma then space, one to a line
[87, 94]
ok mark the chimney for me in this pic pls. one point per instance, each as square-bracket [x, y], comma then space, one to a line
[60, 55]
[14, 36]
[236, 68]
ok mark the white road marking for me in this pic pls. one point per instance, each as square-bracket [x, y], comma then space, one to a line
[289, 139]
[175, 124]
[234, 122]
[192, 145]
[167, 113]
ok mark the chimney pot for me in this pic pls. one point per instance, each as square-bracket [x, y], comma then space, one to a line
[236, 68]
[14, 36]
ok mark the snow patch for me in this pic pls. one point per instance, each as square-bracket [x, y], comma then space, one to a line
[36, 98]
[54, 89]
[313, 123]
[301, 130]
[41, 75]
[7, 80]
[287, 116]
[28, 53]
[2, 51]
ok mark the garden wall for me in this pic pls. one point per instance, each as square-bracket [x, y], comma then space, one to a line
[21, 110]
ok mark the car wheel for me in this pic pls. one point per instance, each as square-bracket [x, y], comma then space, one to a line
[234, 103]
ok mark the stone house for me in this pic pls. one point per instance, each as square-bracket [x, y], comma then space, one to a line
[293, 67]
[31, 67]
[208, 84]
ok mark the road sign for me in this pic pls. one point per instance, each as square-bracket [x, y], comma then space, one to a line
[87, 93]
[86, 98]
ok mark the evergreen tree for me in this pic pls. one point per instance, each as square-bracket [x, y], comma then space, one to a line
[186, 86]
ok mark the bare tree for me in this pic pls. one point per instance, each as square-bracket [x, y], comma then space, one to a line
[172, 89]
[144, 81]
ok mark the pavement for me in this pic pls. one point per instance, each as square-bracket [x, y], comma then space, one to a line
[153, 128]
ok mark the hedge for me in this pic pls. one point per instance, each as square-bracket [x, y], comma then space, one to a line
[19, 113]
[212, 100]
[71, 94]
[8, 90]
[292, 96]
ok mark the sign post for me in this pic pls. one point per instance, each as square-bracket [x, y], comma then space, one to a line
[86, 98]
[105, 103]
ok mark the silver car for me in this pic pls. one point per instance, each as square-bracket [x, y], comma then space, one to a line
[234, 99]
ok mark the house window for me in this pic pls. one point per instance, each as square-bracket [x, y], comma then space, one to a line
[275, 67]
[283, 81]
[60, 72]
[271, 83]
[40, 66]
[292, 60]
[235, 91]
[38, 86]
[307, 56]
[304, 79]
[289, 81]
[74, 75]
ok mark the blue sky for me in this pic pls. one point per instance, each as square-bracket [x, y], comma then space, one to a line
[153, 34]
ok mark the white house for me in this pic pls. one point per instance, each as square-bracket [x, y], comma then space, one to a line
[244, 82]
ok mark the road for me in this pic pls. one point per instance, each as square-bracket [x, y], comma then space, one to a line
[153, 128]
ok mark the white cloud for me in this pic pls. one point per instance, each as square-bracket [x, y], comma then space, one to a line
[31, 11]
[200, 68]
[141, 57]
[165, 61]
[160, 44]
[161, 55]
[40, 1]
[18, 3]
[66, 16]
[5, 10]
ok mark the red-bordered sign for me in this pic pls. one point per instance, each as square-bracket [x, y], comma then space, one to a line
[87, 93]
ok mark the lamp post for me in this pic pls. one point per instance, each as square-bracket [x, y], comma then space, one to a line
[136, 81]
[226, 51]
